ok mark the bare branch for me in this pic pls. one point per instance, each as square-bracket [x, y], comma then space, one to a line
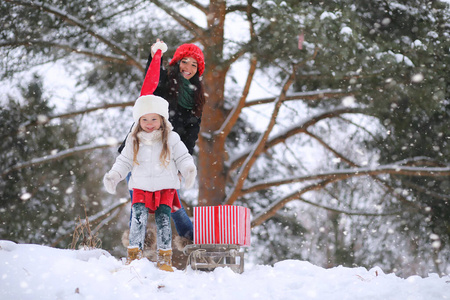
[102, 217]
[234, 114]
[260, 145]
[426, 190]
[107, 218]
[352, 164]
[197, 5]
[339, 211]
[196, 30]
[351, 213]
[253, 36]
[298, 128]
[271, 210]
[329, 148]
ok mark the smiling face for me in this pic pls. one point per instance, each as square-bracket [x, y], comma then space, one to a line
[150, 122]
[188, 67]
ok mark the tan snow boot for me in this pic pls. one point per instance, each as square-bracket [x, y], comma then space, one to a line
[133, 253]
[165, 260]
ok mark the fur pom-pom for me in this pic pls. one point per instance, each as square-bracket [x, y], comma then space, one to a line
[159, 46]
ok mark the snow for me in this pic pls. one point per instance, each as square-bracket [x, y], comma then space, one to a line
[30, 271]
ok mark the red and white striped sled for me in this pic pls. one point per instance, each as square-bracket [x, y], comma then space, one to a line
[219, 232]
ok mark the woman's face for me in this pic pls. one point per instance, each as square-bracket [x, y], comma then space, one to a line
[188, 67]
[150, 122]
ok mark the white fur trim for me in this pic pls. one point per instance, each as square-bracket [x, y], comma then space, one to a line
[150, 138]
[159, 45]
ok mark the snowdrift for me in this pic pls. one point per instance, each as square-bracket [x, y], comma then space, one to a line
[40, 272]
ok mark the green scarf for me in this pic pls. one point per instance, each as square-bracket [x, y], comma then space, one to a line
[186, 94]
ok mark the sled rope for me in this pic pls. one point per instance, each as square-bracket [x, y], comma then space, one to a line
[194, 255]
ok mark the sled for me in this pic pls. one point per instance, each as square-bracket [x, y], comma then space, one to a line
[207, 257]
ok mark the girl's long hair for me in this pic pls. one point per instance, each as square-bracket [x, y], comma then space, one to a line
[174, 79]
[164, 157]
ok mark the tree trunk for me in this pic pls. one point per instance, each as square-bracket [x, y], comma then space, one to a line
[212, 146]
[211, 168]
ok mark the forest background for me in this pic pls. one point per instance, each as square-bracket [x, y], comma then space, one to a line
[328, 119]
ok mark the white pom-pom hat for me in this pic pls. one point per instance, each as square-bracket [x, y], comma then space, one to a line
[147, 102]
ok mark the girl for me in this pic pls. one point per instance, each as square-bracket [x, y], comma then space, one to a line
[181, 85]
[154, 154]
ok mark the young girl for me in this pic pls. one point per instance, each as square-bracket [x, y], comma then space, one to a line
[181, 85]
[154, 154]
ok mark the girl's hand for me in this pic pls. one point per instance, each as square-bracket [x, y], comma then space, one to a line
[190, 177]
[110, 181]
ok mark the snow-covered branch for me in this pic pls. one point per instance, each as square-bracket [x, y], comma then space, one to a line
[80, 24]
[293, 130]
[77, 112]
[393, 169]
[341, 175]
[310, 95]
[68, 48]
[56, 156]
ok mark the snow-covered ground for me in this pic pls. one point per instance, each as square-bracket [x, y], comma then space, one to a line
[40, 272]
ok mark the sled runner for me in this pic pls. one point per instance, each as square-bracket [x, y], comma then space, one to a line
[219, 232]
[207, 257]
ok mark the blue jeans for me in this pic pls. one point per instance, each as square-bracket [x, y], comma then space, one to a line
[183, 223]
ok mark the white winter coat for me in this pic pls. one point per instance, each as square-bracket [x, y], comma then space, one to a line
[151, 175]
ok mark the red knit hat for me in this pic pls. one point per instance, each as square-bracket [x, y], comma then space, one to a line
[190, 50]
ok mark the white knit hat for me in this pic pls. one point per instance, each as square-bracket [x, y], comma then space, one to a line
[147, 102]
[150, 104]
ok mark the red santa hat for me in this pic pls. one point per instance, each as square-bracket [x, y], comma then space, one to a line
[147, 102]
[189, 50]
